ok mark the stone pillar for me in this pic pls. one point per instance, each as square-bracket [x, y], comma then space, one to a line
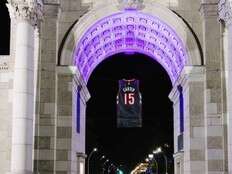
[229, 98]
[69, 141]
[215, 159]
[45, 134]
[26, 16]
[225, 14]
[190, 159]
[178, 136]
[64, 81]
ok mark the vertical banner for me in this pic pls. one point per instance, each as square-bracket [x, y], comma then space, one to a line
[129, 104]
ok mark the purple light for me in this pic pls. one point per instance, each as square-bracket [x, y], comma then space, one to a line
[131, 31]
[129, 52]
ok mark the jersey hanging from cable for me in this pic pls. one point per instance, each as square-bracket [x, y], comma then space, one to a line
[129, 104]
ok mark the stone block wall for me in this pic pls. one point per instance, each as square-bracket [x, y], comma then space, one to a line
[64, 124]
[69, 13]
[45, 124]
[5, 114]
[189, 11]
[196, 126]
[215, 128]
[70, 144]
[191, 159]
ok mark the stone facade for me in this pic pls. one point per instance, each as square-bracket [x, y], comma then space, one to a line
[39, 83]
[5, 120]
[225, 11]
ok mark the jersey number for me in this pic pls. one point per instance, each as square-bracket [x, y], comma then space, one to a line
[129, 98]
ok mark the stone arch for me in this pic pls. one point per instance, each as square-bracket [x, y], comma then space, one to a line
[155, 31]
[183, 61]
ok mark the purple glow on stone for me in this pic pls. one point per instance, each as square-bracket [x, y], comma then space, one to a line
[129, 52]
[129, 32]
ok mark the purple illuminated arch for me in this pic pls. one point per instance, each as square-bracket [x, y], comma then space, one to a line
[130, 31]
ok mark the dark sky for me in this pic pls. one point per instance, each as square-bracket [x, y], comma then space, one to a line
[4, 29]
[128, 146]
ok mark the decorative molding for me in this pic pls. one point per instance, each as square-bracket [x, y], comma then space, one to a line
[131, 4]
[81, 155]
[225, 11]
[71, 70]
[4, 63]
[130, 31]
[209, 9]
[78, 81]
[24, 10]
[188, 74]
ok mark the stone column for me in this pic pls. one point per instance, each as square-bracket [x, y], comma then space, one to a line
[215, 139]
[225, 14]
[26, 16]
[178, 136]
[69, 141]
[190, 159]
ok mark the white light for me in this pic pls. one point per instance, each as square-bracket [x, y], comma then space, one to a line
[81, 168]
[95, 149]
[147, 160]
[150, 156]
[159, 149]
[154, 152]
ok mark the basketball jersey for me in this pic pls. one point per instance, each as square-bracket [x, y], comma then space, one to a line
[129, 104]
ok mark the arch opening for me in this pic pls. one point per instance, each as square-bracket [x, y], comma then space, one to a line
[123, 145]
[130, 31]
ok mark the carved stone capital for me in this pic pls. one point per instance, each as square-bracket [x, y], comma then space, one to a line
[24, 10]
[225, 11]
[131, 4]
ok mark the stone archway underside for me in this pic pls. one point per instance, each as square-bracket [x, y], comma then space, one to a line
[130, 31]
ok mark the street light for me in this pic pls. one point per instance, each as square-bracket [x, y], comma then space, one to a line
[108, 170]
[103, 157]
[107, 160]
[91, 153]
[158, 151]
[103, 165]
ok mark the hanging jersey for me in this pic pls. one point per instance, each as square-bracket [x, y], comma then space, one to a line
[129, 104]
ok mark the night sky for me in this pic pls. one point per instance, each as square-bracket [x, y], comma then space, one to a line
[128, 146]
[4, 29]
